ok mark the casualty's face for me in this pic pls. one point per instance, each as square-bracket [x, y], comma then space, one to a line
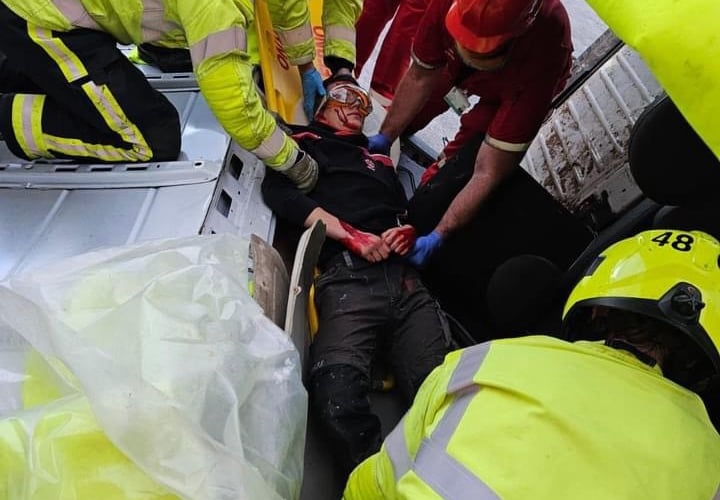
[344, 108]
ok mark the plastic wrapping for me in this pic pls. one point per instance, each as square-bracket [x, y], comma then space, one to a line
[147, 371]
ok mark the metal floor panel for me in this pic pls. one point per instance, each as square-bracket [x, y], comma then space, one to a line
[54, 209]
[580, 153]
[41, 226]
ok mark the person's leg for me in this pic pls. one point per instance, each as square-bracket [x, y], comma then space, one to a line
[394, 57]
[350, 320]
[95, 104]
[12, 80]
[422, 332]
[375, 15]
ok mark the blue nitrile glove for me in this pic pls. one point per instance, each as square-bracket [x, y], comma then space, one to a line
[424, 247]
[379, 143]
[312, 85]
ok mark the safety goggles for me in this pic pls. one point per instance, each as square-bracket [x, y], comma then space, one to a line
[350, 95]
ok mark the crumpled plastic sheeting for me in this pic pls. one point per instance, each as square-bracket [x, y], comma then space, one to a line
[182, 371]
[679, 42]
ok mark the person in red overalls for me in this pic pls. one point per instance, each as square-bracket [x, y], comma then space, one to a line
[515, 55]
[394, 56]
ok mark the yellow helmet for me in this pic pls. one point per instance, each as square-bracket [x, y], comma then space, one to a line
[671, 276]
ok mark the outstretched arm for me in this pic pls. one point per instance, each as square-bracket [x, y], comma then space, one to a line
[492, 165]
[367, 245]
[412, 93]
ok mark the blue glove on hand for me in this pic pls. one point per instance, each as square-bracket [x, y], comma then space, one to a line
[424, 247]
[312, 85]
[379, 143]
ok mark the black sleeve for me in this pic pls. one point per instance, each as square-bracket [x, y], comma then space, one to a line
[285, 199]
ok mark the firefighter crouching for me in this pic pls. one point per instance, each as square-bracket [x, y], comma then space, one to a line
[76, 96]
[614, 412]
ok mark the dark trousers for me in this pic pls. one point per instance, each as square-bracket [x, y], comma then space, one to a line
[365, 309]
[519, 217]
[74, 95]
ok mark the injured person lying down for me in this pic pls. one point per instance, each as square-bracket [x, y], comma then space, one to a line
[370, 300]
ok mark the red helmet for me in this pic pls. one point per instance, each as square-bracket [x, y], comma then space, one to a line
[484, 25]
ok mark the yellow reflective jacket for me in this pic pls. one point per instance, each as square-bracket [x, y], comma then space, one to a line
[215, 33]
[291, 20]
[679, 42]
[537, 417]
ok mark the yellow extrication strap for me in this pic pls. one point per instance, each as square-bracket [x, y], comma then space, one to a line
[680, 42]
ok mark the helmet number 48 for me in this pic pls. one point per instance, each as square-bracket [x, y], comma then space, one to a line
[682, 241]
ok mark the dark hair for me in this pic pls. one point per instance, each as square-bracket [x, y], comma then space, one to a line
[340, 78]
[685, 364]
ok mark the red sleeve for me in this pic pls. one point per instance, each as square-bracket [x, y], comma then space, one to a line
[541, 76]
[431, 38]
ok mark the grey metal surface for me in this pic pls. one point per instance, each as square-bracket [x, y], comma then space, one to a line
[580, 153]
[55, 209]
[42, 226]
[160, 80]
[237, 205]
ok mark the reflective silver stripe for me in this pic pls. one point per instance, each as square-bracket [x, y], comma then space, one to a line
[460, 383]
[433, 464]
[154, 25]
[717, 493]
[397, 450]
[28, 101]
[417, 61]
[271, 146]
[470, 361]
[443, 473]
[114, 116]
[507, 146]
[218, 43]
[295, 36]
[336, 32]
[68, 62]
[74, 11]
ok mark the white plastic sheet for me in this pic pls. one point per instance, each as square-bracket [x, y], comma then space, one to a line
[182, 371]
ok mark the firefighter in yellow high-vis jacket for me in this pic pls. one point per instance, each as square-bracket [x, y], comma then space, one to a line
[291, 20]
[80, 98]
[615, 415]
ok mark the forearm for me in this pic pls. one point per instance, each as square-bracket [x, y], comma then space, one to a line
[412, 93]
[367, 245]
[491, 167]
[227, 85]
[333, 226]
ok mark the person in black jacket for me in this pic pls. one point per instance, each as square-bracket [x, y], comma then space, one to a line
[369, 300]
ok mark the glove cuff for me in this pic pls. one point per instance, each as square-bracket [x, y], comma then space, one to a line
[304, 172]
[436, 239]
[386, 143]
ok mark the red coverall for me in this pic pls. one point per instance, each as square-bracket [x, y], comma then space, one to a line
[394, 57]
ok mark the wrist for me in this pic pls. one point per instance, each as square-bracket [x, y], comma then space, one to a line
[306, 67]
[436, 237]
[387, 136]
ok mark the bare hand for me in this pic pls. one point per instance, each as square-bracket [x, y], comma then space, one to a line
[400, 239]
[367, 245]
